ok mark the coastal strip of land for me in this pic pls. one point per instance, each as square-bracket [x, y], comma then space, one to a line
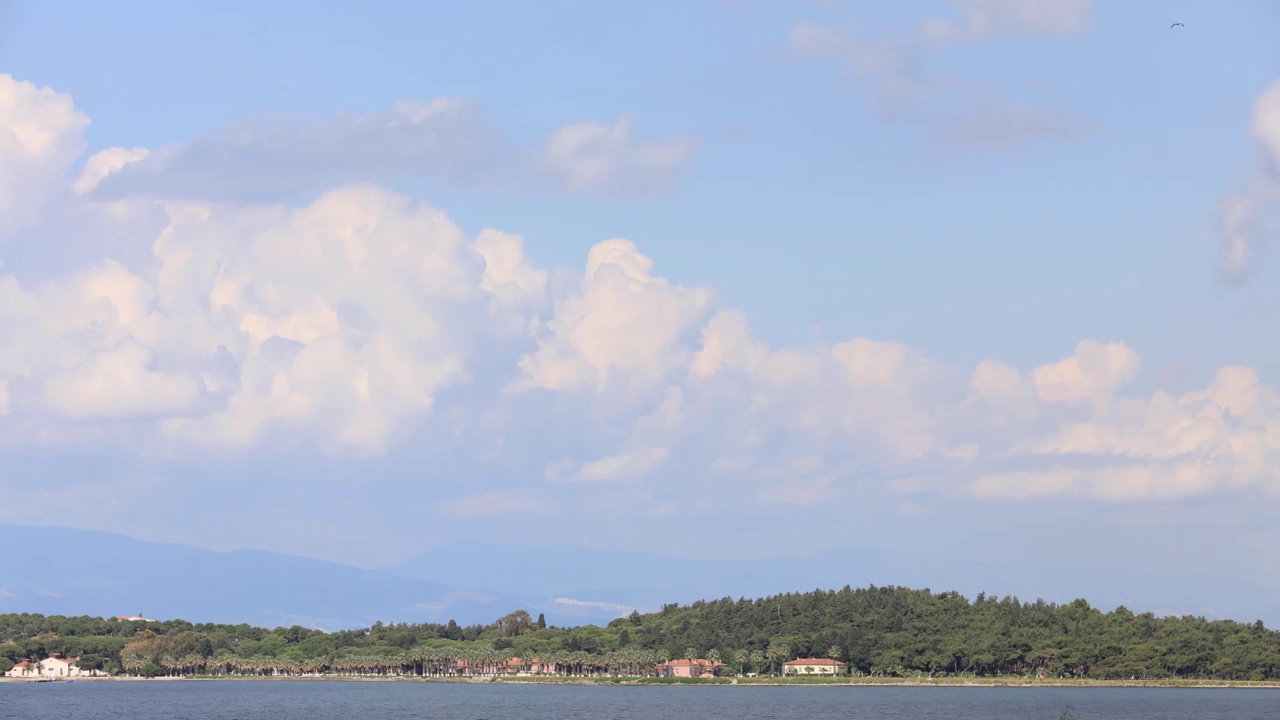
[868, 635]
[942, 682]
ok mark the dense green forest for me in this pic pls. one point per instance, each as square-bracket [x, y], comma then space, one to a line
[876, 631]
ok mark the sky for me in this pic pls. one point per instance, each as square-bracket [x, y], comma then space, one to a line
[711, 278]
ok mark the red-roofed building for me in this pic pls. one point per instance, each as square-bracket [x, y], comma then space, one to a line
[53, 666]
[688, 668]
[812, 666]
[524, 666]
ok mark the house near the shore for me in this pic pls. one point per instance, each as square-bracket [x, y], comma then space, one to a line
[534, 666]
[812, 666]
[26, 668]
[54, 666]
[57, 666]
[688, 668]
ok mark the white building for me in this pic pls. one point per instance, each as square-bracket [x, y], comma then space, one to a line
[54, 666]
[57, 666]
[26, 668]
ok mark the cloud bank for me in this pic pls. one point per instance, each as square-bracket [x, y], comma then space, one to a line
[955, 112]
[452, 140]
[363, 320]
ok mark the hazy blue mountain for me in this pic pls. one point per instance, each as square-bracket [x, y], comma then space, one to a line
[592, 580]
[74, 572]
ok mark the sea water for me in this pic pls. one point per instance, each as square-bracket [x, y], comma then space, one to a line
[336, 700]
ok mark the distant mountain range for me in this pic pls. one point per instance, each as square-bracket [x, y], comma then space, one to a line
[611, 579]
[74, 572]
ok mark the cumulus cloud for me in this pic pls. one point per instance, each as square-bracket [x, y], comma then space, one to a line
[350, 321]
[104, 163]
[41, 134]
[613, 158]
[1095, 372]
[1242, 217]
[620, 327]
[955, 113]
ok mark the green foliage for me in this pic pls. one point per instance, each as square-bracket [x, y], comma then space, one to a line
[897, 632]
[879, 632]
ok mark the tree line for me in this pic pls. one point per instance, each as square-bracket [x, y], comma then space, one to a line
[875, 631]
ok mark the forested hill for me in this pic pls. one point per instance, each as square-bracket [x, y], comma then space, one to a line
[897, 631]
[876, 631]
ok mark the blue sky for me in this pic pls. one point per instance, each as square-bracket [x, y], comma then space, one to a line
[235, 319]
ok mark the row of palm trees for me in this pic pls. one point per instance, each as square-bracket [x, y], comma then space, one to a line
[444, 662]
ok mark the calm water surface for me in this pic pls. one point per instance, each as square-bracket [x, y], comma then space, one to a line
[378, 701]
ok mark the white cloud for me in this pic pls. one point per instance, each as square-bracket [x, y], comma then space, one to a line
[120, 383]
[1242, 216]
[287, 157]
[621, 328]
[621, 610]
[519, 290]
[351, 322]
[41, 134]
[954, 112]
[351, 313]
[451, 139]
[496, 503]
[1003, 123]
[624, 466]
[612, 158]
[1265, 127]
[983, 19]
[103, 163]
[340, 320]
[1095, 372]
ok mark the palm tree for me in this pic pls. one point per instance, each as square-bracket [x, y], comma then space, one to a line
[715, 658]
[779, 653]
[834, 652]
[741, 657]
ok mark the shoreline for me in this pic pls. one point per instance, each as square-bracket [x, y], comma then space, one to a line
[717, 682]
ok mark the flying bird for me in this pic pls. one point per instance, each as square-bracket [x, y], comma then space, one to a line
[1176, 25]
